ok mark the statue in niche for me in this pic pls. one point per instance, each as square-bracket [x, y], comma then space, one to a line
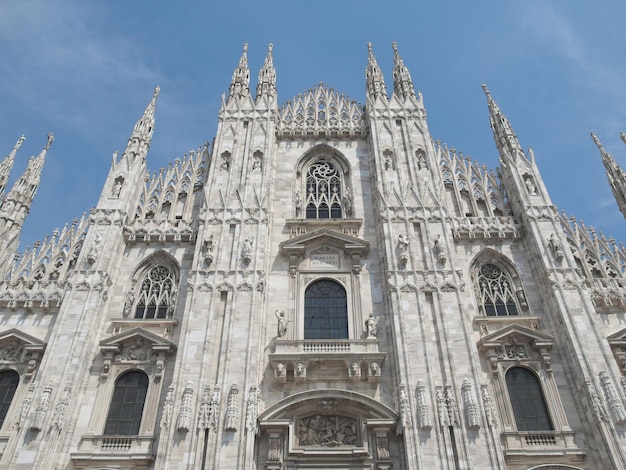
[530, 186]
[92, 255]
[258, 160]
[225, 166]
[298, 203]
[440, 250]
[370, 326]
[282, 323]
[556, 247]
[403, 244]
[421, 161]
[388, 162]
[117, 187]
[208, 254]
[247, 249]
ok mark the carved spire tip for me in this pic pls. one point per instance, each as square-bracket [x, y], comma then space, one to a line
[50, 140]
[157, 90]
[245, 47]
[486, 90]
[270, 47]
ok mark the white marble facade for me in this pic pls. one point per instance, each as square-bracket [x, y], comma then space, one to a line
[325, 287]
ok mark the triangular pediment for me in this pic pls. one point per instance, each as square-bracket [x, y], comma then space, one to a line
[22, 340]
[327, 237]
[137, 335]
[517, 333]
[618, 338]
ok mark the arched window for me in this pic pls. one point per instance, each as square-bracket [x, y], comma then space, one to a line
[323, 191]
[155, 297]
[496, 291]
[8, 384]
[529, 406]
[325, 311]
[127, 403]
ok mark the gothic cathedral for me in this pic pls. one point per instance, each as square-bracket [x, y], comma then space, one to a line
[323, 287]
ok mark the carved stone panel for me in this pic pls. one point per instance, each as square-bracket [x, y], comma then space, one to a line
[327, 431]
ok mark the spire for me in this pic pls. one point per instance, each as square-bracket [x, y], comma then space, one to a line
[402, 84]
[374, 81]
[506, 140]
[615, 174]
[266, 85]
[139, 140]
[240, 83]
[7, 165]
[18, 201]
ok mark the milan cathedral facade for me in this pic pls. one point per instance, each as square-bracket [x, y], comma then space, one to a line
[324, 287]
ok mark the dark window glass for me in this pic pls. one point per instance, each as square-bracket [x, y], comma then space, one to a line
[325, 311]
[529, 406]
[127, 403]
[8, 383]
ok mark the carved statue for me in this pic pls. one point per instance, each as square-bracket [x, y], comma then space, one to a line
[225, 166]
[532, 189]
[370, 326]
[347, 201]
[247, 246]
[282, 323]
[300, 370]
[440, 250]
[403, 244]
[128, 305]
[258, 160]
[298, 203]
[556, 247]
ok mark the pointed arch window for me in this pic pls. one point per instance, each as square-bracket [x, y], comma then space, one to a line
[156, 294]
[527, 401]
[323, 191]
[325, 311]
[495, 288]
[127, 404]
[9, 380]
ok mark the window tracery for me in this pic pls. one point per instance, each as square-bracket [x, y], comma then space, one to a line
[496, 291]
[156, 296]
[324, 191]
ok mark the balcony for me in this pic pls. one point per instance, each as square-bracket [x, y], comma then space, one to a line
[360, 358]
[108, 449]
[529, 445]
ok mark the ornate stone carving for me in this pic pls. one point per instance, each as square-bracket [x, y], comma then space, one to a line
[214, 408]
[354, 371]
[616, 405]
[280, 372]
[282, 323]
[470, 407]
[299, 372]
[555, 247]
[204, 415]
[274, 451]
[246, 250]
[168, 407]
[490, 409]
[12, 352]
[185, 414]
[22, 414]
[252, 410]
[327, 431]
[442, 408]
[371, 327]
[594, 401]
[453, 409]
[92, 254]
[440, 251]
[382, 446]
[208, 251]
[405, 407]
[232, 409]
[298, 204]
[58, 417]
[424, 415]
[41, 410]
[403, 249]
[138, 351]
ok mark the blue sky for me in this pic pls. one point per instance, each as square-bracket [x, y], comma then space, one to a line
[86, 70]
